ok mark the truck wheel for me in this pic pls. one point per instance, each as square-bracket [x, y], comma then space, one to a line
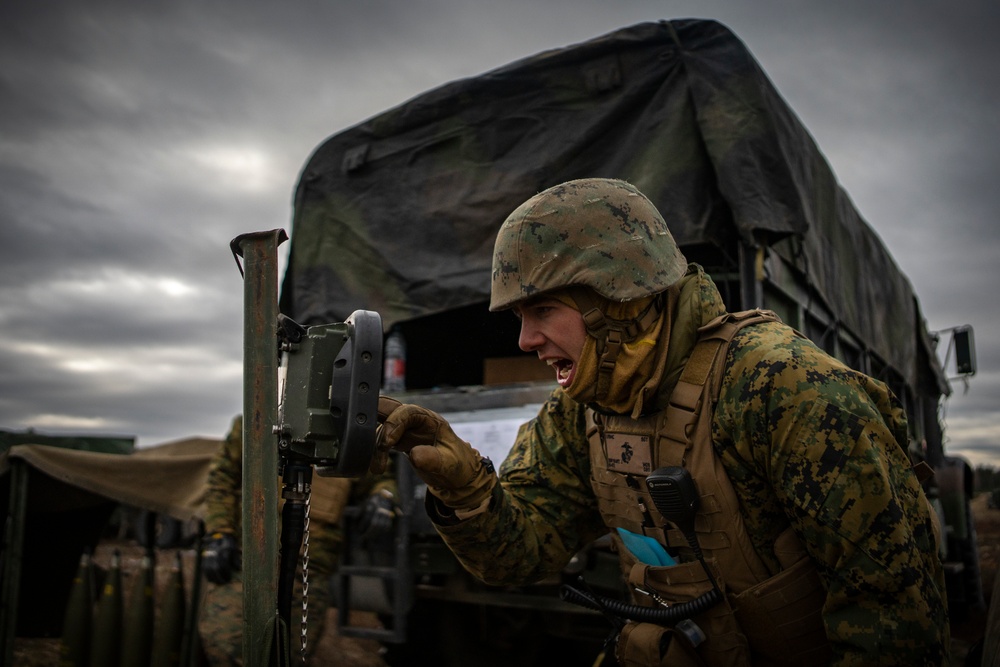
[991, 637]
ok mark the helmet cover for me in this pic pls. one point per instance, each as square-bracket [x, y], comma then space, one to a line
[596, 232]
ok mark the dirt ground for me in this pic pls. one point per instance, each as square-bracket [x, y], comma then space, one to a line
[352, 652]
[967, 633]
[988, 531]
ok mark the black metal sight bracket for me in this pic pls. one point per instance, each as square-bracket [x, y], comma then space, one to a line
[329, 382]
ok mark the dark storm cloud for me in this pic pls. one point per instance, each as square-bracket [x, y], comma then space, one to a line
[86, 402]
[903, 106]
[137, 139]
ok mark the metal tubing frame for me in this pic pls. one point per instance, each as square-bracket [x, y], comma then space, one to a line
[261, 630]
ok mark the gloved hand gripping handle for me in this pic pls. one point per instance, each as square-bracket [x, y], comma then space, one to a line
[455, 473]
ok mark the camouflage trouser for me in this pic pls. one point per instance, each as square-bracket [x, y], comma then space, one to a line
[220, 621]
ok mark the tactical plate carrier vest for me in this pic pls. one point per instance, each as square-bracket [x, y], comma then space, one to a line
[765, 618]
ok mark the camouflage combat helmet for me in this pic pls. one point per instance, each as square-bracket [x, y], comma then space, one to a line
[600, 239]
[595, 232]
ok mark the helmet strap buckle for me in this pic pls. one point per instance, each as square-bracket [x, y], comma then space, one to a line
[612, 334]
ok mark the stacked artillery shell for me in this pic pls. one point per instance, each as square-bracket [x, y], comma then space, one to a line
[75, 647]
[105, 645]
[137, 635]
[170, 631]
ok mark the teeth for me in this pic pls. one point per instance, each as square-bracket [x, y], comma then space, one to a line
[562, 367]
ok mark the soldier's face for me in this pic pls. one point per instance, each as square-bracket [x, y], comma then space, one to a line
[555, 332]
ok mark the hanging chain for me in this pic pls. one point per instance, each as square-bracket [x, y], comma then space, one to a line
[305, 581]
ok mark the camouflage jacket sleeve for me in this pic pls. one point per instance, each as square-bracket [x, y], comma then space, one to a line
[223, 513]
[543, 511]
[808, 441]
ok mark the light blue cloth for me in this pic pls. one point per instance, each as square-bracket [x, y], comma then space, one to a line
[645, 548]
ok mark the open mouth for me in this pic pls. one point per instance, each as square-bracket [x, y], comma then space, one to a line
[564, 370]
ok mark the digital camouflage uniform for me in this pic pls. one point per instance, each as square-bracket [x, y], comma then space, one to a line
[806, 442]
[220, 622]
[798, 433]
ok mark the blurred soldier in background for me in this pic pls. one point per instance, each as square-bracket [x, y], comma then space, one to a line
[221, 619]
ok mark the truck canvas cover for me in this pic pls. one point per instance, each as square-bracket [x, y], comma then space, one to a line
[399, 213]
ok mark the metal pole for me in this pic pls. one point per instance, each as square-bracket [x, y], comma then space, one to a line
[13, 554]
[260, 451]
[751, 288]
[189, 652]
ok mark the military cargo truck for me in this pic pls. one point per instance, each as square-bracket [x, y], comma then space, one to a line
[398, 214]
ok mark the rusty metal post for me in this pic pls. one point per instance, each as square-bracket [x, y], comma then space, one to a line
[260, 452]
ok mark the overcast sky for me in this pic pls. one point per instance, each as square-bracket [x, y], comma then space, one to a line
[137, 139]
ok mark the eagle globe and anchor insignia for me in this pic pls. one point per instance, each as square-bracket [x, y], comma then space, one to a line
[628, 453]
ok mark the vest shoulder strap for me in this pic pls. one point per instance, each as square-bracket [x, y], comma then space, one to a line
[690, 413]
[705, 361]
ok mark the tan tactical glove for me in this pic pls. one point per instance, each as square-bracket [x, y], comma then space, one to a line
[455, 473]
[380, 459]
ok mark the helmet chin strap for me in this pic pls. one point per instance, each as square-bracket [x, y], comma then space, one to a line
[610, 333]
